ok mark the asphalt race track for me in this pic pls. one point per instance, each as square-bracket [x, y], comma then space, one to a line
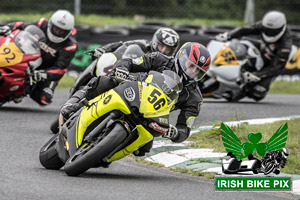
[25, 128]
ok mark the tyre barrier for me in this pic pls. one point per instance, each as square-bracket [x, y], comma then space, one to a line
[89, 36]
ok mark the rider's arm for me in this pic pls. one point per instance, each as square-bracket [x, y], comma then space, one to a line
[189, 110]
[111, 46]
[22, 25]
[143, 44]
[245, 30]
[280, 59]
[278, 63]
[153, 61]
[59, 68]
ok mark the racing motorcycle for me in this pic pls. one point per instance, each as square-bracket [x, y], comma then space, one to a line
[101, 67]
[224, 79]
[19, 56]
[114, 124]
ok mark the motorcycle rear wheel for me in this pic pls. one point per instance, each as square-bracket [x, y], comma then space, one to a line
[49, 156]
[88, 156]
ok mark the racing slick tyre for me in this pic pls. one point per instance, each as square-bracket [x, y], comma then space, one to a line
[49, 156]
[54, 126]
[90, 154]
[269, 168]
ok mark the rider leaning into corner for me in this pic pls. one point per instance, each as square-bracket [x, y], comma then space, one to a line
[190, 63]
[275, 49]
[165, 40]
[57, 52]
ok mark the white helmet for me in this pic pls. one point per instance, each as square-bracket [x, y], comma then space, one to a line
[60, 26]
[274, 26]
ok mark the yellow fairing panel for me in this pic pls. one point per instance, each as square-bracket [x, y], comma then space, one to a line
[99, 106]
[295, 61]
[226, 57]
[154, 102]
[10, 54]
[144, 137]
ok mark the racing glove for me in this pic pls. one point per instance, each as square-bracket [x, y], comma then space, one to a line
[69, 109]
[121, 74]
[172, 133]
[5, 30]
[249, 77]
[96, 53]
[39, 75]
[223, 37]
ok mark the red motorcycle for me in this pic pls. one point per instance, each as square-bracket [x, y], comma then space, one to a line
[19, 56]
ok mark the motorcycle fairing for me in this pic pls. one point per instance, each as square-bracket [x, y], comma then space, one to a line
[226, 56]
[133, 92]
[154, 102]
[10, 54]
[144, 137]
[99, 106]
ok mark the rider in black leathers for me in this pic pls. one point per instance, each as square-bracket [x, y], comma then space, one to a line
[190, 63]
[275, 49]
[165, 40]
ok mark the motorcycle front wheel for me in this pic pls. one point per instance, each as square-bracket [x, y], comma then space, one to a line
[269, 168]
[89, 155]
[49, 156]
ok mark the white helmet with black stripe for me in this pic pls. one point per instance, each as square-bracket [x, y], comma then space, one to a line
[273, 26]
[60, 26]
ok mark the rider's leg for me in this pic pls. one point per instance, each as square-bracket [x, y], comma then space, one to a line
[259, 90]
[144, 149]
[94, 88]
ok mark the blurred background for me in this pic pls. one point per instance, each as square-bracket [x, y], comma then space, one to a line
[194, 20]
[208, 9]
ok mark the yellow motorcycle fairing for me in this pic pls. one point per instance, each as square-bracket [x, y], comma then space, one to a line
[154, 101]
[226, 56]
[99, 106]
[294, 62]
[144, 137]
[10, 54]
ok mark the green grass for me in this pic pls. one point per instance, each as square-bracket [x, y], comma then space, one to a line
[66, 82]
[209, 175]
[99, 20]
[205, 139]
[285, 87]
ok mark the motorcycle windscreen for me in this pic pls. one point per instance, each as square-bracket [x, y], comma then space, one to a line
[154, 102]
[10, 54]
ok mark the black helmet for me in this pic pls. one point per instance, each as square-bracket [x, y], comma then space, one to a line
[166, 41]
[273, 26]
[193, 59]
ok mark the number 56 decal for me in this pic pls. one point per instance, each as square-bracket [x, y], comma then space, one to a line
[155, 100]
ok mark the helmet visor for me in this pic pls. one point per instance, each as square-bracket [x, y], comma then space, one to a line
[272, 32]
[165, 49]
[59, 32]
[192, 70]
[169, 82]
